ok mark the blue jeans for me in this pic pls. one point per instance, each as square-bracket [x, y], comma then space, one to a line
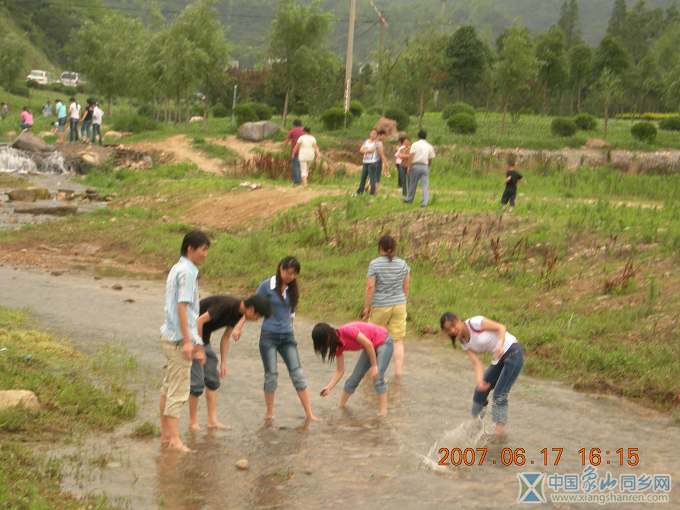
[402, 179]
[286, 346]
[371, 172]
[383, 355]
[295, 163]
[501, 377]
[73, 130]
[86, 130]
[419, 172]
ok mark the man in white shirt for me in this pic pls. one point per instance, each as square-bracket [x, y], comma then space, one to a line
[422, 154]
[97, 117]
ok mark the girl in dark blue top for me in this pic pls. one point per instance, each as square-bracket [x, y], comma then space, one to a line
[277, 334]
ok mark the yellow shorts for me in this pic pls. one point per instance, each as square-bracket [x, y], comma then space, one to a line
[176, 377]
[391, 317]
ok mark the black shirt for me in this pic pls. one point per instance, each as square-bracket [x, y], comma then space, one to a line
[515, 177]
[88, 113]
[223, 310]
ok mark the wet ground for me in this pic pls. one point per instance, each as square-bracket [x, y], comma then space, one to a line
[350, 459]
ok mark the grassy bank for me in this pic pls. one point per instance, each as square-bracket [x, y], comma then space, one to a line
[554, 270]
[72, 403]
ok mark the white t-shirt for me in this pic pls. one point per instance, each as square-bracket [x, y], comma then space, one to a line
[97, 115]
[74, 111]
[485, 341]
[422, 152]
[306, 151]
[372, 146]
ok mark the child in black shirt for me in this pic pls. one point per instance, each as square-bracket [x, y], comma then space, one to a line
[512, 177]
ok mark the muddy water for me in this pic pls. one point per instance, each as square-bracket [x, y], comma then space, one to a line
[350, 459]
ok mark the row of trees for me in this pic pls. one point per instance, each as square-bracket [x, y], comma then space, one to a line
[635, 67]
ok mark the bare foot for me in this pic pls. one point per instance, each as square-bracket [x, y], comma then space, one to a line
[195, 427]
[179, 446]
[312, 418]
[218, 426]
[382, 414]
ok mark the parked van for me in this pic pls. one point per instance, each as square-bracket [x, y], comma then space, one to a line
[69, 79]
[38, 76]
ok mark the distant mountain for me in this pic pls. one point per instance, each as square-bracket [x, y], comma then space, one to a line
[249, 21]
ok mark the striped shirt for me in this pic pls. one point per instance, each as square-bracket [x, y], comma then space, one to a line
[389, 281]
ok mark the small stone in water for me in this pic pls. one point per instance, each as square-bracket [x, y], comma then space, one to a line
[242, 464]
[117, 286]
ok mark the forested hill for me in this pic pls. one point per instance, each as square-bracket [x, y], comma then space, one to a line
[249, 21]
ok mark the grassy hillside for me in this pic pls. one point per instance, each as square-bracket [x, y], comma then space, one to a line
[35, 57]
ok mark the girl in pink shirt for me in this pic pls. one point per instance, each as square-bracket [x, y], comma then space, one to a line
[26, 118]
[376, 346]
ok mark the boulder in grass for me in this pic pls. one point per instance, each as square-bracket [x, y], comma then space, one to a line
[597, 143]
[389, 126]
[257, 131]
[27, 141]
[15, 398]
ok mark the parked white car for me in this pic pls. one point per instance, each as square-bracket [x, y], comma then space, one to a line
[69, 79]
[39, 76]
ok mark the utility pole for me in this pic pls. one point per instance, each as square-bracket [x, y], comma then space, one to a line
[350, 52]
[381, 53]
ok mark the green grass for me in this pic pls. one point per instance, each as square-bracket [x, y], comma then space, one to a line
[78, 395]
[543, 273]
[215, 151]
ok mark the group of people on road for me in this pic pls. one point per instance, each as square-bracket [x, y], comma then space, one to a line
[193, 367]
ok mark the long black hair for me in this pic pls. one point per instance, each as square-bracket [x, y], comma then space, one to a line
[325, 338]
[293, 290]
[388, 245]
[448, 317]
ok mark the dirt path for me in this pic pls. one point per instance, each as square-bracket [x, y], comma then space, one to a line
[178, 149]
[247, 150]
[238, 208]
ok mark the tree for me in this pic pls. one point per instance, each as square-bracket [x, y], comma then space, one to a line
[611, 55]
[580, 69]
[109, 53]
[618, 19]
[609, 86]
[423, 69]
[516, 67]
[467, 57]
[552, 65]
[12, 60]
[298, 33]
[569, 22]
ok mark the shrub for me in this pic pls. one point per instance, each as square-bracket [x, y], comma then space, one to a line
[356, 109]
[146, 110]
[644, 131]
[585, 122]
[334, 118]
[456, 108]
[400, 116]
[32, 84]
[245, 113]
[462, 124]
[220, 111]
[563, 127]
[19, 89]
[134, 123]
[262, 111]
[375, 110]
[672, 124]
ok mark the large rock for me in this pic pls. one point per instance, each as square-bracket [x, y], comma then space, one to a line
[27, 141]
[28, 194]
[257, 131]
[14, 398]
[82, 158]
[597, 143]
[389, 126]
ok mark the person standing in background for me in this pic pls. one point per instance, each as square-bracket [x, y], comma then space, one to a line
[60, 110]
[74, 119]
[306, 149]
[292, 139]
[402, 157]
[422, 154]
[25, 118]
[97, 117]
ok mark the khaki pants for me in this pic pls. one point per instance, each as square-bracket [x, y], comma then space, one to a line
[391, 317]
[176, 377]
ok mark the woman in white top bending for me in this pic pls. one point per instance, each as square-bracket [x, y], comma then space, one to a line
[479, 334]
[306, 149]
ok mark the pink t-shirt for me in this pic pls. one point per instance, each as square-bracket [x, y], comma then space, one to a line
[27, 118]
[294, 134]
[349, 332]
